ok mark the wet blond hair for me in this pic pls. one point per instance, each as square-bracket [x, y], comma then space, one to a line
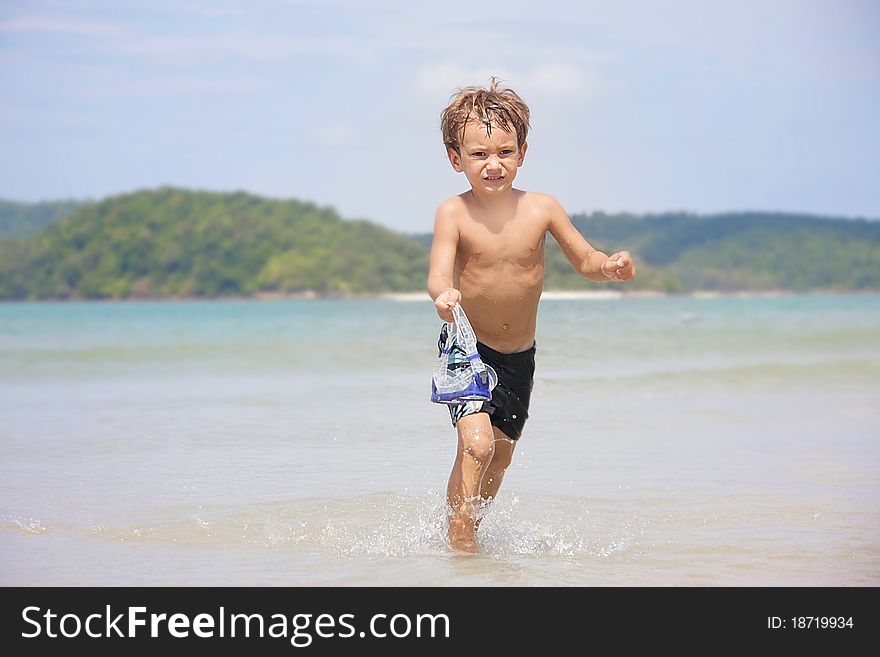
[503, 107]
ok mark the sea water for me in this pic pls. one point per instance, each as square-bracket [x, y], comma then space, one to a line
[671, 441]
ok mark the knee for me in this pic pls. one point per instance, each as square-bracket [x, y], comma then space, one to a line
[479, 447]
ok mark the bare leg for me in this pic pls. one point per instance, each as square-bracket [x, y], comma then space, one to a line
[504, 447]
[475, 450]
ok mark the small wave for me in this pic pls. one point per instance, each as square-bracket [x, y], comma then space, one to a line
[25, 526]
[380, 525]
[830, 372]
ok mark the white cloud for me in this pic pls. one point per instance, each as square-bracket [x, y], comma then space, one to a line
[210, 10]
[441, 80]
[562, 80]
[187, 50]
[558, 80]
[59, 24]
[187, 84]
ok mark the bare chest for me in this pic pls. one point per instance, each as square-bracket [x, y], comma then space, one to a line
[518, 243]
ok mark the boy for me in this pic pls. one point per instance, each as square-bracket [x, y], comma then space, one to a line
[488, 256]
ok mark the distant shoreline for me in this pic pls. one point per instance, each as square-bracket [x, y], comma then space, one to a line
[590, 295]
[407, 297]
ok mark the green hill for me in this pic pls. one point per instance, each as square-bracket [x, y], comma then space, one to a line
[178, 243]
[747, 250]
[20, 219]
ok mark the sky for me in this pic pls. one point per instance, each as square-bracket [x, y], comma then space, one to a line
[639, 106]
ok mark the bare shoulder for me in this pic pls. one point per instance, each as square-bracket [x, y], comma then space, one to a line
[542, 201]
[452, 204]
[447, 222]
[450, 210]
[543, 206]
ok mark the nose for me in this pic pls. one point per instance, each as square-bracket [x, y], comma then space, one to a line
[493, 163]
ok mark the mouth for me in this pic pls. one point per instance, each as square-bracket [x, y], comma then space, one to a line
[494, 178]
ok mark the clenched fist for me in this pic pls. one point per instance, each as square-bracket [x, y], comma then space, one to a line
[619, 266]
[445, 301]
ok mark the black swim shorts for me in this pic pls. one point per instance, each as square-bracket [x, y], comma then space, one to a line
[508, 408]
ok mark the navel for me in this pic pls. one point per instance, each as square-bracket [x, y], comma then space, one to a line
[505, 326]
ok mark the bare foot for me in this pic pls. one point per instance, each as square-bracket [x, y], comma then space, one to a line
[462, 532]
[464, 545]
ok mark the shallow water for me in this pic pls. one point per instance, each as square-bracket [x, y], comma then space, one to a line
[672, 441]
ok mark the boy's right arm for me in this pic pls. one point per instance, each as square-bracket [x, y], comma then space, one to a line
[440, 271]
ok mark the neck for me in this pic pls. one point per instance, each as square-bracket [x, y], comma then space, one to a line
[495, 201]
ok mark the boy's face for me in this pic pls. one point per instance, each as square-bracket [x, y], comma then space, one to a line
[489, 161]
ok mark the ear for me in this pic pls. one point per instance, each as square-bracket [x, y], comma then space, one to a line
[522, 153]
[454, 159]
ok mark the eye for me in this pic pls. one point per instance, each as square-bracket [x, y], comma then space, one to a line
[478, 154]
[507, 151]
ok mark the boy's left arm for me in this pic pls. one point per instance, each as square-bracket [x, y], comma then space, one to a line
[589, 262]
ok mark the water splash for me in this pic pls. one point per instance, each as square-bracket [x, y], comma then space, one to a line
[382, 525]
[570, 530]
[29, 526]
